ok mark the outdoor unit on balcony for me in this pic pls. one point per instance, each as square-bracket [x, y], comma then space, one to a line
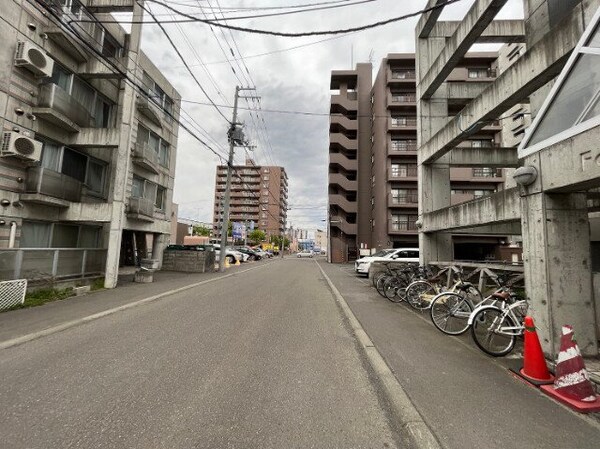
[17, 145]
[34, 59]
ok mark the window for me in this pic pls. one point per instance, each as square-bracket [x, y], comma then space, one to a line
[99, 108]
[403, 222]
[265, 170]
[265, 193]
[404, 145]
[58, 235]
[404, 196]
[486, 172]
[404, 170]
[154, 142]
[481, 143]
[157, 95]
[265, 178]
[79, 166]
[479, 73]
[161, 193]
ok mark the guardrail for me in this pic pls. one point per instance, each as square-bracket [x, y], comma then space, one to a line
[51, 263]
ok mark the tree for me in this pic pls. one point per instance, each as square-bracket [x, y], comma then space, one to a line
[256, 236]
[201, 230]
[276, 240]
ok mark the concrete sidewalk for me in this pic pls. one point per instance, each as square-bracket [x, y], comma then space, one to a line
[467, 398]
[18, 323]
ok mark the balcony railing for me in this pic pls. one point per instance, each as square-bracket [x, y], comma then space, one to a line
[403, 74]
[404, 98]
[409, 198]
[403, 146]
[403, 122]
[487, 172]
[48, 182]
[55, 98]
[140, 208]
[51, 263]
[403, 225]
[146, 157]
[404, 172]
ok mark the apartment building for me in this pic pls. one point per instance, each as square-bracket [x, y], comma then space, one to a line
[89, 129]
[259, 194]
[373, 182]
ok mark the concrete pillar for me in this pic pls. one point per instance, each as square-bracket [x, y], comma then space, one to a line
[121, 160]
[558, 278]
[434, 179]
[159, 243]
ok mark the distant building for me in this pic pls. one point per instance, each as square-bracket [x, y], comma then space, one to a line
[259, 194]
[373, 200]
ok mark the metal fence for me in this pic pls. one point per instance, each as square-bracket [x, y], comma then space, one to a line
[12, 293]
[51, 263]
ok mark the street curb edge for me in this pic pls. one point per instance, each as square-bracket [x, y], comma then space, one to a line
[413, 427]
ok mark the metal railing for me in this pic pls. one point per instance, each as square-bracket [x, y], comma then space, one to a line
[401, 122]
[48, 182]
[409, 198]
[404, 98]
[403, 225]
[51, 263]
[403, 145]
[141, 206]
[485, 172]
[403, 74]
[404, 172]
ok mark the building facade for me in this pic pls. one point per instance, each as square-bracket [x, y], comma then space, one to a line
[553, 203]
[89, 130]
[373, 182]
[259, 194]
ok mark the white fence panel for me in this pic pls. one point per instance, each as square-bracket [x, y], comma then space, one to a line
[12, 293]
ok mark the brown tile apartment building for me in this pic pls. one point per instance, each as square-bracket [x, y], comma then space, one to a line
[373, 201]
[258, 193]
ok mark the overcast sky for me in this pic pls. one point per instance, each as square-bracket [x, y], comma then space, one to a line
[286, 79]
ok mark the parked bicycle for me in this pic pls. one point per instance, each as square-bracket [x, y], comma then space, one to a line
[394, 286]
[450, 310]
[495, 328]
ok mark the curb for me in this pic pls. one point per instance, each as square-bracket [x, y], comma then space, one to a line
[414, 430]
[69, 324]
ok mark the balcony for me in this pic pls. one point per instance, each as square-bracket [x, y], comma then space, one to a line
[402, 227]
[343, 225]
[402, 147]
[337, 122]
[108, 6]
[403, 174]
[401, 76]
[340, 140]
[97, 69]
[38, 264]
[50, 188]
[94, 138]
[149, 109]
[146, 157]
[58, 107]
[403, 123]
[343, 161]
[345, 183]
[401, 99]
[410, 200]
[342, 202]
[347, 102]
[141, 209]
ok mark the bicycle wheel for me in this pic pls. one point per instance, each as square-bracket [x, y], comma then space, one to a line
[392, 289]
[487, 332]
[450, 313]
[379, 285]
[419, 295]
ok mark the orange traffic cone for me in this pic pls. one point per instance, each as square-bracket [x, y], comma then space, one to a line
[572, 385]
[237, 262]
[534, 368]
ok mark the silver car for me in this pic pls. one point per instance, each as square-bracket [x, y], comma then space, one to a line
[305, 253]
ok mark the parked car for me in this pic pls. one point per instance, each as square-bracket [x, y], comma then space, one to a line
[253, 255]
[362, 265]
[262, 253]
[231, 255]
[305, 253]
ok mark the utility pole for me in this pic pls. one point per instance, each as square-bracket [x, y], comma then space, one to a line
[236, 137]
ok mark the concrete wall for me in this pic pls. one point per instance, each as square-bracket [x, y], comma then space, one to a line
[188, 261]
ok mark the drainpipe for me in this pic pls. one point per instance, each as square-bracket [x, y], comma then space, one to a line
[13, 234]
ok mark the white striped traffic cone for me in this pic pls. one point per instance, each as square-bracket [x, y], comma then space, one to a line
[572, 384]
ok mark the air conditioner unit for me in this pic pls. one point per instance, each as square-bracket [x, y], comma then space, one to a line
[34, 59]
[17, 145]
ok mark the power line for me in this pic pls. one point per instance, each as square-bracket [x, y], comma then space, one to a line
[190, 18]
[257, 8]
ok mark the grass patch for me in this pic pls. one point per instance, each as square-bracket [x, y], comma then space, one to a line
[98, 284]
[42, 296]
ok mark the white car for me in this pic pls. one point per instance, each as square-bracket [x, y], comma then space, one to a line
[362, 265]
[305, 253]
[232, 255]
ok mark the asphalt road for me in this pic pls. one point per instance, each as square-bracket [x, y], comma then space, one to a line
[468, 399]
[260, 360]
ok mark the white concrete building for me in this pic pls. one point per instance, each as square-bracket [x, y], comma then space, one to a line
[89, 129]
